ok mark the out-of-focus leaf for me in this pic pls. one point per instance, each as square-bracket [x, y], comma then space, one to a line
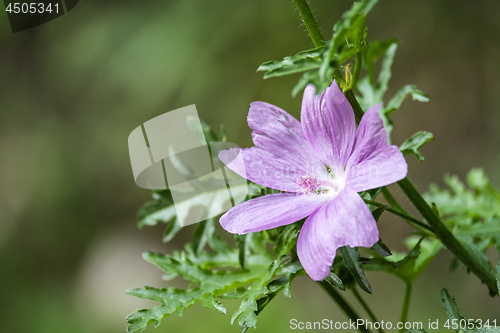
[303, 61]
[351, 261]
[202, 232]
[372, 53]
[171, 230]
[373, 88]
[397, 100]
[471, 212]
[417, 140]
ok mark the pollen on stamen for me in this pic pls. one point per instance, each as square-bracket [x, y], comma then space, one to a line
[308, 184]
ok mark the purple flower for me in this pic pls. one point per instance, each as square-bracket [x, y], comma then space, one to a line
[320, 164]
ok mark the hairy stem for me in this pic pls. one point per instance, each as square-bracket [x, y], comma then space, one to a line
[356, 72]
[406, 305]
[348, 310]
[310, 22]
[358, 111]
[483, 271]
[366, 307]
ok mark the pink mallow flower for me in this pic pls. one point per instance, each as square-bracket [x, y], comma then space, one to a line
[320, 165]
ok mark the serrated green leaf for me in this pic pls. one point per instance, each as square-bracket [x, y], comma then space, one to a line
[381, 249]
[211, 302]
[335, 281]
[350, 257]
[321, 64]
[412, 144]
[408, 90]
[372, 53]
[287, 239]
[450, 305]
[385, 70]
[216, 275]
[158, 211]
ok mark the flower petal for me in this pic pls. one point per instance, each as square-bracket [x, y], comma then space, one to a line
[329, 125]
[281, 154]
[373, 162]
[270, 211]
[346, 220]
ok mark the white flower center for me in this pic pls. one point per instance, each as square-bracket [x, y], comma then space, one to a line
[310, 184]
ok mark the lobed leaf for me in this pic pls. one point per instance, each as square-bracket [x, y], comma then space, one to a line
[412, 144]
[351, 260]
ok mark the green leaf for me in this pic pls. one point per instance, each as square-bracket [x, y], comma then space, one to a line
[335, 281]
[171, 230]
[213, 269]
[378, 212]
[471, 211]
[397, 100]
[351, 261]
[160, 210]
[211, 302]
[373, 88]
[202, 232]
[302, 61]
[381, 249]
[417, 140]
[450, 306]
[322, 64]
[453, 312]
[372, 53]
[287, 239]
[409, 267]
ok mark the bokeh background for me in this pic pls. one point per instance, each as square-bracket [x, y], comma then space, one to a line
[73, 89]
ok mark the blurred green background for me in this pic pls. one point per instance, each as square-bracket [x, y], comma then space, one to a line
[73, 89]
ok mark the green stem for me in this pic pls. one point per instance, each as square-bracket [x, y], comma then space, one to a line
[348, 310]
[358, 111]
[406, 305]
[310, 22]
[411, 220]
[356, 72]
[366, 307]
[482, 270]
